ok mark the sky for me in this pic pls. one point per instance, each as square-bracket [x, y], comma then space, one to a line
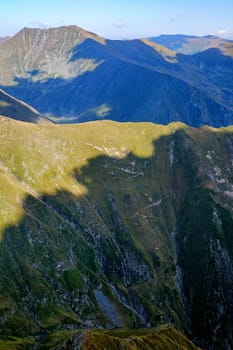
[121, 19]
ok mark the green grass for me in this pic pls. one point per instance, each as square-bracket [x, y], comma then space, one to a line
[13, 343]
[86, 207]
[73, 279]
[161, 339]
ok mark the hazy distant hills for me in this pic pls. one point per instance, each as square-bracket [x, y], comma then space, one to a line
[73, 76]
[16, 109]
[188, 44]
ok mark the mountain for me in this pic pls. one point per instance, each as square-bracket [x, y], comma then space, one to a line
[16, 109]
[45, 52]
[74, 76]
[189, 45]
[99, 229]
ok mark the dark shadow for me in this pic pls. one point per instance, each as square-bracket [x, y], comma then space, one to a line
[34, 73]
[214, 64]
[131, 51]
[16, 109]
[133, 82]
[143, 235]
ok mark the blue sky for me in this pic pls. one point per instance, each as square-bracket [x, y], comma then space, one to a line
[121, 18]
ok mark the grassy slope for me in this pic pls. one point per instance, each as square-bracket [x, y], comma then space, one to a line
[87, 207]
[39, 159]
[160, 338]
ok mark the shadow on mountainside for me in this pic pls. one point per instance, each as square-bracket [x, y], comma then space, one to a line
[134, 83]
[9, 106]
[143, 237]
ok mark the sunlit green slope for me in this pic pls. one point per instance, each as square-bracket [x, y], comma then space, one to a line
[116, 225]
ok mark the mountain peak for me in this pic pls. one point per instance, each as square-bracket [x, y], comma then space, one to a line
[70, 30]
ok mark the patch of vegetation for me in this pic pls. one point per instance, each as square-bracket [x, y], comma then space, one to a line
[73, 279]
[13, 343]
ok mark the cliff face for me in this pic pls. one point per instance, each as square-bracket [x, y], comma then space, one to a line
[116, 225]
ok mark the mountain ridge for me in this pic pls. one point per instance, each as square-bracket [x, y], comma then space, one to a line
[191, 44]
[74, 76]
[16, 109]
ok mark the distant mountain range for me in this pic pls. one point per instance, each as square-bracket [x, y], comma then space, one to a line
[188, 44]
[71, 75]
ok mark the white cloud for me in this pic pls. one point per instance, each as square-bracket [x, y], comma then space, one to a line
[39, 24]
[118, 23]
[222, 31]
